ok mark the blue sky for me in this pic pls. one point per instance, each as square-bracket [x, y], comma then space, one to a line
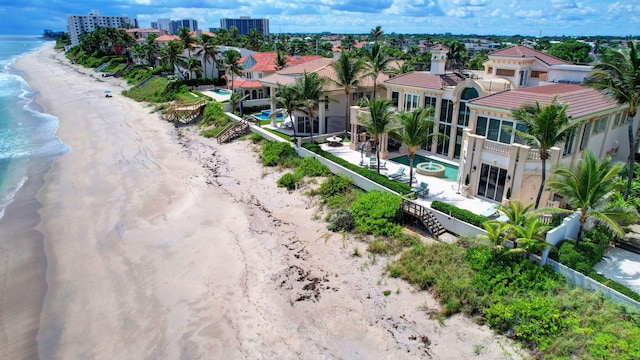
[501, 17]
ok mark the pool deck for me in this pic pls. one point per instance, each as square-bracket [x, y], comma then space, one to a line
[439, 189]
[216, 96]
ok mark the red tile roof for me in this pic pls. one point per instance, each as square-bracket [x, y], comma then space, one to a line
[246, 84]
[440, 47]
[309, 66]
[266, 61]
[582, 100]
[167, 38]
[522, 51]
[423, 79]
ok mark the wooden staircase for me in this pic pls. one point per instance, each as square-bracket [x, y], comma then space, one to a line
[185, 112]
[423, 214]
[234, 130]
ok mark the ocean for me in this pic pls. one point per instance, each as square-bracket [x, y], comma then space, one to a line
[28, 141]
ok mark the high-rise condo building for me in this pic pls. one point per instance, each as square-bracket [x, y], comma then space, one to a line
[245, 23]
[80, 24]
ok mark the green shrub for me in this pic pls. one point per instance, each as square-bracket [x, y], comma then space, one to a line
[334, 185]
[460, 214]
[289, 181]
[396, 186]
[275, 153]
[377, 213]
[256, 138]
[342, 220]
[213, 114]
[310, 166]
[378, 246]
[211, 133]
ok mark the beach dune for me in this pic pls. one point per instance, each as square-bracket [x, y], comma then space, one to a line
[160, 243]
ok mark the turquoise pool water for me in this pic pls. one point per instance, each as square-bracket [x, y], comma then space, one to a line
[450, 171]
[264, 115]
[221, 91]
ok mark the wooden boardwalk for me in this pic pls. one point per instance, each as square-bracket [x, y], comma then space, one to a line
[185, 112]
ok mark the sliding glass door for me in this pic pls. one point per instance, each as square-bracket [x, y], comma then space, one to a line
[491, 183]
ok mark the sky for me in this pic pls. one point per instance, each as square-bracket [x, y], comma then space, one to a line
[482, 17]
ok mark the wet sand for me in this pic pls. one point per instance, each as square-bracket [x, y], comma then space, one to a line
[160, 243]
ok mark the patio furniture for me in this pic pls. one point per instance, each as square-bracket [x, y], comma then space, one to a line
[373, 162]
[334, 141]
[421, 190]
[396, 174]
[383, 165]
[405, 178]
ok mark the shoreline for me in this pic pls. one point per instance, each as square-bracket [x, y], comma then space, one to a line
[161, 243]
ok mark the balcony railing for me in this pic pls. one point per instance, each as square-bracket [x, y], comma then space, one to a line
[534, 154]
[496, 147]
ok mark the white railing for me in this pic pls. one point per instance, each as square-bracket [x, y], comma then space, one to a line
[534, 154]
[496, 147]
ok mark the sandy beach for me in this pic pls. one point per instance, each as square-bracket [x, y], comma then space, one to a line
[154, 242]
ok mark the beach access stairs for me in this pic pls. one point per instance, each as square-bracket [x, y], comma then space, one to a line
[423, 215]
[235, 129]
[185, 112]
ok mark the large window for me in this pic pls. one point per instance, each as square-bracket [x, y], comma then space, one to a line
[304, 127]
[569, 145]
[446, 115]
[499, 130]
[463, 117]
[395, 98]
[600, 125]
[585, 136]
[542, 75]
[410, 101]
[505, 72]
[430, 101]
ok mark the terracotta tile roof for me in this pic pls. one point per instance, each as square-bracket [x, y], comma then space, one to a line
[522, 51]
[275, 79]
[582, 100]
[266, 61]
[167, 38]
[309, 66]
[246, 84]
[423, 79]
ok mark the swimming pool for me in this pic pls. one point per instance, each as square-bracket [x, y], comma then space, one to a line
[264, 115]
[221, 91]
[450, 171]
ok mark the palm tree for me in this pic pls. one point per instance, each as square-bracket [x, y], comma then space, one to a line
[286, 98]
[589, 187]
[186, 39]
[347, 42]
[151, 49]
[376, 33]
[377, 121]
[518, 215]
[617, 74]
[208, 50]
[281, 60]
[530, 236]
[195, 66]
[417, 129]
[494, 234]
[376, 61]
[348, 68]
[171, 55]
[230, 60]
[309, 89]
[234, 100]
[254, 40]
[546, 127]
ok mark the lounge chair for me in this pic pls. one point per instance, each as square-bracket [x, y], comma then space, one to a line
[373, 162]
[383, 165]
[405, 178]
[421, 190]
[396, 174]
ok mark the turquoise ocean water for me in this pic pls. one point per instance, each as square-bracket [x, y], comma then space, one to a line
[28, 141]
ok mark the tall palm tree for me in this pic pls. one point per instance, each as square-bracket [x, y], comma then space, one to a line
[286, 98]
[171, 55]
[230, 60]
[617, 74]
[347, 43]
[254, 40]
[376, 33]
[187, 40]
[589, 187]
[377, 121]
[208, 50]
[348, 69]
[376, 61]
[310, 93]
[546, 127]
[151, 50]
[195, 66]
[416, 130]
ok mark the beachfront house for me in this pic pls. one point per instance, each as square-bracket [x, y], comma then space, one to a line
[474, 110]
[256, 66]
[332, 111]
